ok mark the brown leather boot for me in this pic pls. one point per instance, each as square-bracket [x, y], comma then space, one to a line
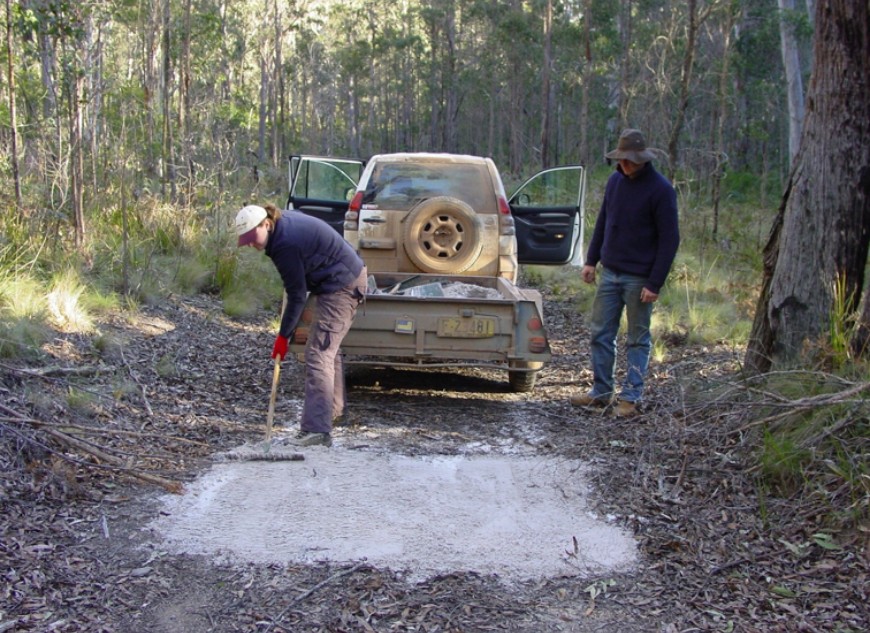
[588, 400]
[625, 409]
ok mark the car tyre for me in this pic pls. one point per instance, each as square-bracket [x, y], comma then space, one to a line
[443, 235]
[523, 381]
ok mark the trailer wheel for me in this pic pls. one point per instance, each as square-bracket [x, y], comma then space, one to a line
[443, 235]
[523, 381]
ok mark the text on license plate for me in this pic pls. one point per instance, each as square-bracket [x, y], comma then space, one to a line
[466, 327]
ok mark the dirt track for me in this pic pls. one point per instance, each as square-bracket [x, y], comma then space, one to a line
[182, 382]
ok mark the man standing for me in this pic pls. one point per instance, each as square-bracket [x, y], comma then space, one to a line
[635, 239]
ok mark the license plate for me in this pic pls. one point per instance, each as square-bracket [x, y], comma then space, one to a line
[466, 327]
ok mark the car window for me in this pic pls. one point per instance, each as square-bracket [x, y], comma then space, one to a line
[325, 179]
[400, 186]
[553, 188]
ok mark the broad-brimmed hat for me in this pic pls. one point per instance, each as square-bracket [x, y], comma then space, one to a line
[631, 146]
[247, 220]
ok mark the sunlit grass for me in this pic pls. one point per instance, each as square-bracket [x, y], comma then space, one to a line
[698, 305]
[22, 316]
[659, 351]
[21, 297]
[65, 309]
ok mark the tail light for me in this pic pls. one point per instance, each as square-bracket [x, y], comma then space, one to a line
[537, 344]
[505, 219]
[351, 217]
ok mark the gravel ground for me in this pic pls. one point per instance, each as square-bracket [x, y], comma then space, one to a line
[94, 435]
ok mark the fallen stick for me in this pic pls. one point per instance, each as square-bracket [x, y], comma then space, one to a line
[46, 372]
[77, 429]
[93, 450]
[172, 486]
[260, 457]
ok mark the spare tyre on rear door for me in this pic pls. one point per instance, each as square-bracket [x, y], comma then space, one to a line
[442, 235]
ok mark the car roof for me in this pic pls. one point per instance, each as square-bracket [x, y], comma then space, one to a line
[407, 156]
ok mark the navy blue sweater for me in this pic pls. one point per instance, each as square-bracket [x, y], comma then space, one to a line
[637, 230]
[310, 257]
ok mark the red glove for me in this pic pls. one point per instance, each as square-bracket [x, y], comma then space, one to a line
[280, 347]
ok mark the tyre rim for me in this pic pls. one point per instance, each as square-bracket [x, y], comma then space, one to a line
[442, 237]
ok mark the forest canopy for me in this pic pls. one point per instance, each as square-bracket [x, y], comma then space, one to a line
[180, 95]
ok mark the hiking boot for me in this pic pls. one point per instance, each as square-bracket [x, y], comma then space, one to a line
[305, 438]
[625, 409]
[588, 400]
[340, 420]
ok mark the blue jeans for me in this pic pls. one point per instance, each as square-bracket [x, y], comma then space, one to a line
[618, 291]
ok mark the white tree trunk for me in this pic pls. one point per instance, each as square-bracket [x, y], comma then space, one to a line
[794, 83]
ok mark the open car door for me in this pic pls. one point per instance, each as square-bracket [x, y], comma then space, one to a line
[322, 187]
[548, 215]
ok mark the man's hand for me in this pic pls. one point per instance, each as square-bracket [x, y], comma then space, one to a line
[588, 274]
[279, 350]
[648, 296]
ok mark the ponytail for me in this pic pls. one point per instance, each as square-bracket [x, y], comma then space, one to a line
[272, 212]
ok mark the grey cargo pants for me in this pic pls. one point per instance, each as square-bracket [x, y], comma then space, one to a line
[324, 372]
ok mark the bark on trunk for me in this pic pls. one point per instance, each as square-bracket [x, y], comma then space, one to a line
[822, 231]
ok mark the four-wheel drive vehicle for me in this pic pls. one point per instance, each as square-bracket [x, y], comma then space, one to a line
[443, 245]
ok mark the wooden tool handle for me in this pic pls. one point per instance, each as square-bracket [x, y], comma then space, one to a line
[276, 372]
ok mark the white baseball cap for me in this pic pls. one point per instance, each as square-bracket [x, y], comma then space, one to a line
[247, 220]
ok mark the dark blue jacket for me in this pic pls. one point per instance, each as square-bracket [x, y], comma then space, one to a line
[310, 257]
[637, 230]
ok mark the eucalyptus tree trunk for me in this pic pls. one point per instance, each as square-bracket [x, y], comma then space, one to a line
[184, 102]
[586, 80]
[13, 122]
[151, 79]
[75, 81]
[409, 94]
[624, 97]
[516, 60]
[821, 234]
[262, 109]
[546, 98]
[51, 100]
[450, 78]
[263, 52]
[794, 83]
[168, 153]
[435, 83]
[95, 118]
[721, 115]
[277, 101]
[47, 63]
[696, 20]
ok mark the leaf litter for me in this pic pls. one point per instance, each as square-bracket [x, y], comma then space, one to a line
[186, 384]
